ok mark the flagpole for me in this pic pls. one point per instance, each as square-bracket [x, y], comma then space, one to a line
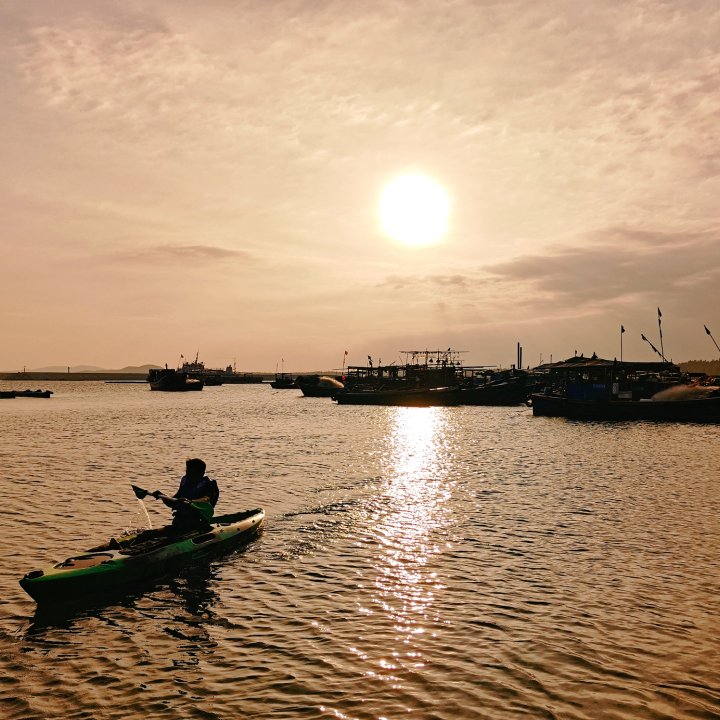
[662, 350]
[622, 332]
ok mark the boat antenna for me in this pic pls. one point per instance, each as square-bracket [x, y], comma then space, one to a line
[711, 336]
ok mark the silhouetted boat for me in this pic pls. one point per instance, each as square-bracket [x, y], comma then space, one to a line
[169, 380]
[411, 397]
[9, 394]
[283, 381]
[434, 377]
[497, 387]
[196, 369]
[597, 389]
[231, 377]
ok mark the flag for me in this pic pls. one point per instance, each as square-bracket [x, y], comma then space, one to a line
[659, 313]
[706, 330]
[346, 352]
[622, 329]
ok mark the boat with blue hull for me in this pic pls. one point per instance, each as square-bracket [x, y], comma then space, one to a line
[597, 389]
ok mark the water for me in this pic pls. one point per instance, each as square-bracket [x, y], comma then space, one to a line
[421, 563]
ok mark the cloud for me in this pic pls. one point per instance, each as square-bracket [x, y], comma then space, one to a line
[618, 265]
[180, 253]
[402, 282]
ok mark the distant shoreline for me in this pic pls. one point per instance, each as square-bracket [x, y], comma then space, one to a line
[32, 377]
[64, 376]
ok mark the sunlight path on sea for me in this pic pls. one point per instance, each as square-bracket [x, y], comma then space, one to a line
[428, 563]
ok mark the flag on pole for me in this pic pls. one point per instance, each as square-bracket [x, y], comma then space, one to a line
[659, 313]
[622, 329]
[346, 352]
[706, 330]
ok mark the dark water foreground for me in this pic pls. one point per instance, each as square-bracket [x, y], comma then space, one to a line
[418, 563]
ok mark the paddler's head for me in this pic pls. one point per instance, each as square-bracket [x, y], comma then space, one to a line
[194, 469]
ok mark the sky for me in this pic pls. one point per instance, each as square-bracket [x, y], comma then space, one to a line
[182, 178]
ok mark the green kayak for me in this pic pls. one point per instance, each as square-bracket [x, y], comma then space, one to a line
[135, 558]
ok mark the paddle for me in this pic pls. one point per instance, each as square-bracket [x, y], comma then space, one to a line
[205, 510]
[141, 494]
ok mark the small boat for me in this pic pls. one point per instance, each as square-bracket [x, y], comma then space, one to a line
[169, 380]
[126, 561]
[319, 385]
[7, 394]
[33, 393]
[283, 381]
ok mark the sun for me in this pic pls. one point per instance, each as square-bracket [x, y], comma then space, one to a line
[414, 210]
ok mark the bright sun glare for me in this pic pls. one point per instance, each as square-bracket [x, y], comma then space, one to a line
[414, 210]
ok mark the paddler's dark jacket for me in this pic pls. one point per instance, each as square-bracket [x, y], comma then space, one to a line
[203, 491]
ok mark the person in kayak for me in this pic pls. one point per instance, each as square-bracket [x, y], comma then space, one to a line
[194, 502]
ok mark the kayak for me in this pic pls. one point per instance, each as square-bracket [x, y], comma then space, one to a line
[135, 558]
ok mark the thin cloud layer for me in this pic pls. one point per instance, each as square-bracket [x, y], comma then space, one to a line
[181, 253]
[578, 142]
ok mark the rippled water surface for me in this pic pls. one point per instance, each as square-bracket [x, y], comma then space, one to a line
[421, 563]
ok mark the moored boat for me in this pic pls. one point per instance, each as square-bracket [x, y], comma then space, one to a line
[596, 389]
[170, 380]
[197, 370]
[126, 561]
[283, 381]
[25, 393]
[496, 387]
[232, 377]
[410, 397]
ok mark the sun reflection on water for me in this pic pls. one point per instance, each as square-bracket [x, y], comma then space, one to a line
[415, 507]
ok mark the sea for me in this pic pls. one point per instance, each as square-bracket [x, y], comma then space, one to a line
[424, 563]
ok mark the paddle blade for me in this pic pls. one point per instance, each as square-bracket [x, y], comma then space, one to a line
[139, 492]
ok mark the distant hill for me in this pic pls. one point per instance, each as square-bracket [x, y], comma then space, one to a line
[94, 368]
[709, 367]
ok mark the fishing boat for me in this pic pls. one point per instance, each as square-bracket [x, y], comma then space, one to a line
[420, 369]
[197, 370]
[496, 387]
[170, 380]
[231, 376]
[409, 397]
[126, 560]
[283, 381]
[596, 389]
